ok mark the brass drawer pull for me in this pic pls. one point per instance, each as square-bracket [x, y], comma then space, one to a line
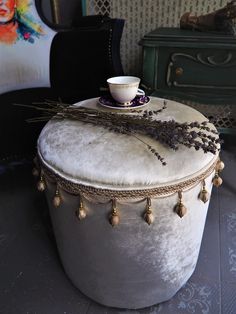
[179, 71]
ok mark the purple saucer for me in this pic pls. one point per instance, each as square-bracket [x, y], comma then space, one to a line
[137, 102]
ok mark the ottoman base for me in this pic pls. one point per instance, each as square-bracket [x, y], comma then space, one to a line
[133, 265]
[138, 297]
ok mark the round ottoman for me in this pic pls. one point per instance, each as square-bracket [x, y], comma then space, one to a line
[128, 228]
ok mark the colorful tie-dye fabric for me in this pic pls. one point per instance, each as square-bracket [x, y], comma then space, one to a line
[23, 26]
[25, 45]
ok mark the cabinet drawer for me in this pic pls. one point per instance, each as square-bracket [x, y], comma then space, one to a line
[206, 69]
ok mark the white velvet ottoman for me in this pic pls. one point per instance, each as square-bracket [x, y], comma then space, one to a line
[94, 178]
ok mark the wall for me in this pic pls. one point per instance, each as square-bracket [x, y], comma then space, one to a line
[142, 16]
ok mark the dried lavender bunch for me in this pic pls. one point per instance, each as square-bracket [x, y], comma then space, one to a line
[197, 135]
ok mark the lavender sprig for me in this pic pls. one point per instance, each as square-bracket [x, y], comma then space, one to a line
[197, 135]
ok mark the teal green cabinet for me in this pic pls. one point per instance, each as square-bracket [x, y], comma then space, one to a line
[190, 65]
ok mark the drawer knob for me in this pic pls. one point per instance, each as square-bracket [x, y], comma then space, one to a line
[179, 71]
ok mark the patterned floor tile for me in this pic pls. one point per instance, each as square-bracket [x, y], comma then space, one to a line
[228, 237]
[228, 298]
[194, 297]
[228, 250]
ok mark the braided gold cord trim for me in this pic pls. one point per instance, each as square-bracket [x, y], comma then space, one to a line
[76, 188]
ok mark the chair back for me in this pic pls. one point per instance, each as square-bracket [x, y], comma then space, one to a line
[25, 43]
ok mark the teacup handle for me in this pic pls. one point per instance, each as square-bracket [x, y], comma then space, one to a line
[140, 92]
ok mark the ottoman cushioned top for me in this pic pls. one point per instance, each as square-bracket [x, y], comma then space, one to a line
[94, 156]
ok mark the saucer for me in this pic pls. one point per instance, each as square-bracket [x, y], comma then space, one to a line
[137, 102]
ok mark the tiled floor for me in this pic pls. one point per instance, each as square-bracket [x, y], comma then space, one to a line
[32, 280]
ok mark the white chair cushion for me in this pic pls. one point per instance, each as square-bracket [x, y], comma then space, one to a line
[25, 44]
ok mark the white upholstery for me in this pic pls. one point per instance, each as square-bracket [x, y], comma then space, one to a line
[94, 156]
[132, 265]
[25, 59]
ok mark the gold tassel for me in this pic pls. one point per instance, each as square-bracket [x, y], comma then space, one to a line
[204, 195]
[217, 181]
[148, 215]
[57, 198]
[180, 209]
[220, 165]
[35, 172]
[41, 184]
[114, 217]
[81, 212]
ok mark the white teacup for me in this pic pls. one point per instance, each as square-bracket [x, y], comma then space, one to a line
[124, 89]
